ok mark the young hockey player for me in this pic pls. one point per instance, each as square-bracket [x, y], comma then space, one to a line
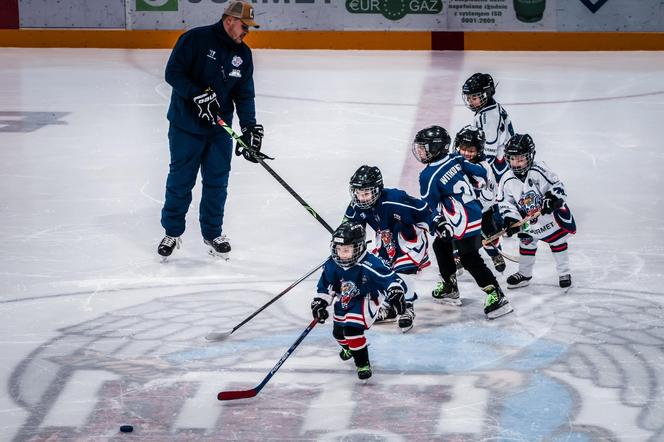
[477, 93]
[400, 223]
[358, 282]
[456, 218]
[469, 143]
[530, 186]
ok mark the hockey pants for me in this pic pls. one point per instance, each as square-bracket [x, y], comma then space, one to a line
[190, 152]
[468, 249]
[553, 229]
[528, 248]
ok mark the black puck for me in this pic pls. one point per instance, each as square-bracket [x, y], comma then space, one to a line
[126, 428]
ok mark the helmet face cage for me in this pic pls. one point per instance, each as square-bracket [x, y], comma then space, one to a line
[430, 144]
[520, 147]
[348, 234]
[364, 197]
[478, 86]
[473, 137]
[365, 186]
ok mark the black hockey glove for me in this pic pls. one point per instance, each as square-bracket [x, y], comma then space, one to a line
[319, 310]
[510, 228]
[252, 136]
[551, 203]
[208, 106]
[397, 299]
[443, 229]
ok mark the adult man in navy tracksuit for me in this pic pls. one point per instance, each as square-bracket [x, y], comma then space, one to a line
[211, 72]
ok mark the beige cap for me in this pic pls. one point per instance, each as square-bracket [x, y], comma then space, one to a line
[243, 11]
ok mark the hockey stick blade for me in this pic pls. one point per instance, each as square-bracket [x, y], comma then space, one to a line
[218, 336]
[241, 394]
[244, 394]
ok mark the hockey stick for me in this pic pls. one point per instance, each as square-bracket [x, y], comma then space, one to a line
[507, 256]
[244, 394]
[290, 190]
[494, 237]
[219, 336]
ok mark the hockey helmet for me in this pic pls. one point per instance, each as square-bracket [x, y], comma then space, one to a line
[431, 143]
[365, 186]
[348, 234]
[520, 146]
[471, 136]
[478, 86]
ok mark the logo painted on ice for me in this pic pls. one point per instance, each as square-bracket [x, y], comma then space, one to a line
[156, 5]
[394, 9]
[595, 5]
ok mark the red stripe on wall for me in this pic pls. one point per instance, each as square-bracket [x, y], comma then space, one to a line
[8, 14]
[447, 41]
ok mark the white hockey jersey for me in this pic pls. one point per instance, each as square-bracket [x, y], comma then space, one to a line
[497, 126]
[519, 199]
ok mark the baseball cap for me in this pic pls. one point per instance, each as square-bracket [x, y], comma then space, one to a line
[243, 11]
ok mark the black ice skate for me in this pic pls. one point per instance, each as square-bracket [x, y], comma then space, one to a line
[496, 304]
[518, 280]
[364, 372]
[219, 247]
[406, 320]
[565, 281]
[499, 263]
[167, 245]
[386, 314]
[447, 292]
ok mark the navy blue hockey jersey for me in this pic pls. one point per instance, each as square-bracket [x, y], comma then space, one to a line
[446, 187]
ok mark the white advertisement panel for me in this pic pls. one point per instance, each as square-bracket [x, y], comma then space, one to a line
[611, 15]
[297, 14]
[339, 15]
[72, 13]
[500, 15]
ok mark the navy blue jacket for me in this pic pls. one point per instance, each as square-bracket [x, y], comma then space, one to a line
[206, 56]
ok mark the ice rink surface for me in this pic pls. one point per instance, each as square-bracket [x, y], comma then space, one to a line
[96, 332]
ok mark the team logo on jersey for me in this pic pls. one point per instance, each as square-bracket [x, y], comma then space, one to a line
[530, 202]
[388, 243]
[236, 61]
[348, 291]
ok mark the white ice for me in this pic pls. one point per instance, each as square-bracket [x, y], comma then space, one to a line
[97, 333]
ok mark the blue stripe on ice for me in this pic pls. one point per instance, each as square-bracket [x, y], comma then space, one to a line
[461, 348]
[537, 412]
[448, 349]
[572, 437]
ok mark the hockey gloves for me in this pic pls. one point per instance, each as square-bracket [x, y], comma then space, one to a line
[510, 228]
[443, 229]
[319, 310]
[551, 203]
[208, 106]
[252, 136]
[397, 299]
